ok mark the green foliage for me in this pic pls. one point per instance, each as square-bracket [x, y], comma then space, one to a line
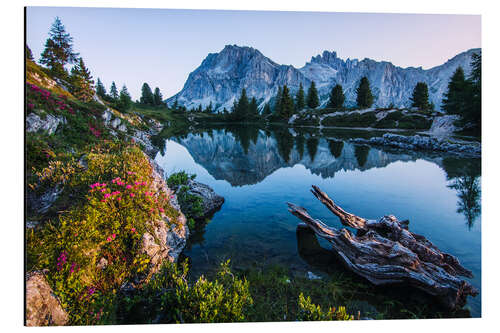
[364, 97]
[335, 147]
[300, 101]
[312, 147]
[191, 205]
[309, 311]
[287, 108]
[169, 298]
[27, 53]
[337, 97]
[277, 104]
[113, 92]
[147, 95]
[157, 97]
[312, 96]
[58, 50]
[82, 85]
[455, 99]
[178, 179]
[125, 101]
[100, 90]
[420, 97]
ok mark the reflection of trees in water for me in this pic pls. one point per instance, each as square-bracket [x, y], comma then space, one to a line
[465, 177]
[244, 134]
[285, 143]
[335, 147]
[361, 153]
[299, 144]
[312, 147]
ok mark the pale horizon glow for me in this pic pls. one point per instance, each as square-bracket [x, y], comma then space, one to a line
[162, 46]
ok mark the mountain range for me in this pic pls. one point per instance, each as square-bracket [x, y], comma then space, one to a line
[221, 77]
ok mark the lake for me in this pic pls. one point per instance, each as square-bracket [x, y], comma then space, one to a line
[258, 170]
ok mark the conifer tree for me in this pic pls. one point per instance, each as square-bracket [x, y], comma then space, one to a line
[146, 95]
[157, 97]
[243, 106]
[176, 104]
[364, 94]
[287, 105]
[81, 81]
[420, 97]
[113, 92]
[28, 53]
[277, 104]
[99, 89]
[337, 97]
[267, 110]
[125, 99]
[455, 99]
[300, 102]
[474, 114]
[312, 96]
[58, 50]
[209, 108]
[253, 111]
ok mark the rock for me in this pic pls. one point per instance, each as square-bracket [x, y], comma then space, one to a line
[312, 276]
[144, 139]
[211, 201]
[41, 204]
[443, 125]
[42, 307]
[169, 237]
[50, 124]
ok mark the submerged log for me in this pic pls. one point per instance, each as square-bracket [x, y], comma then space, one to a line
[386, 252]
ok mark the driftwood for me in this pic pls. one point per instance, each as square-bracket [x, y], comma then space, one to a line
[385, 252]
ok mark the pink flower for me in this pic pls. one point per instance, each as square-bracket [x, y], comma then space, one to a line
[132, 195]
[119, 199]
[128, 187]
[109, 239]
[113, 235]
[133, 229]
[107, 195]
[161, 209]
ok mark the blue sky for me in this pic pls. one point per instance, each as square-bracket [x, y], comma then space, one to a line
[162, 46]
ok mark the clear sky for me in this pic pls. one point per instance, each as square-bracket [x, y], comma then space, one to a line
[162, 46]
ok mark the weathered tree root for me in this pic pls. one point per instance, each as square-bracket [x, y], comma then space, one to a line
[385, 252]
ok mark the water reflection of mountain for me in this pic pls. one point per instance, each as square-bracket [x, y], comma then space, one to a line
[249, 159]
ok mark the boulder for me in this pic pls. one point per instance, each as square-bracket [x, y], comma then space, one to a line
[50, 124]
[211, 201]
[42, 306]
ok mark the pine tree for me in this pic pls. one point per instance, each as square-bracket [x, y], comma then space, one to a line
[420, 97]
[58, 50]
[82, 83]
[312, 96]
[474, 111]
[300, 102]
[125, 100]
[277, 104]
[146, 95]
[113, 92]
[176, 104]
[157, 97]
[209, 108]
[243, 106]
[337, 97]
[455, 99]
[267, 110]
[28, 53]
[287, 105]
[364, 94]
[253, 111]
[99, 89]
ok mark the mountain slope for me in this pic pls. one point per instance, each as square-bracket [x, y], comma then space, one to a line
[221, 77]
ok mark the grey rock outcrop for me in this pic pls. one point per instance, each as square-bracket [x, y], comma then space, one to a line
[221, 77]
[211, 201]
[417, 142]
[35, 123]
[42, 307]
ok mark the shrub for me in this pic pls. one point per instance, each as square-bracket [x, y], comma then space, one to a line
[310, 311]
[191, 205]
[354, 119]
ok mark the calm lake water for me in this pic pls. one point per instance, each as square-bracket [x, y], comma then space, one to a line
[258, 171]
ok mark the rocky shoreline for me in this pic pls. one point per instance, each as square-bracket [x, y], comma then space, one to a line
[425, 143]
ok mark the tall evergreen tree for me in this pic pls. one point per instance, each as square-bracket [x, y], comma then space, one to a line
[420, 97]
[337, 97]
[209, 108]
[277, 104]
[243, 106]
[99, 89]
[146, 95]
[312, 96]
[300, 102]
[157, 97]
[455, 99]
[125, 100]
[267, 110]
[474, 114]
[81, 81]
[253, 111]
[113, 92]
[287, 105]
[58, 50]
[28, 53]
[364, 94]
